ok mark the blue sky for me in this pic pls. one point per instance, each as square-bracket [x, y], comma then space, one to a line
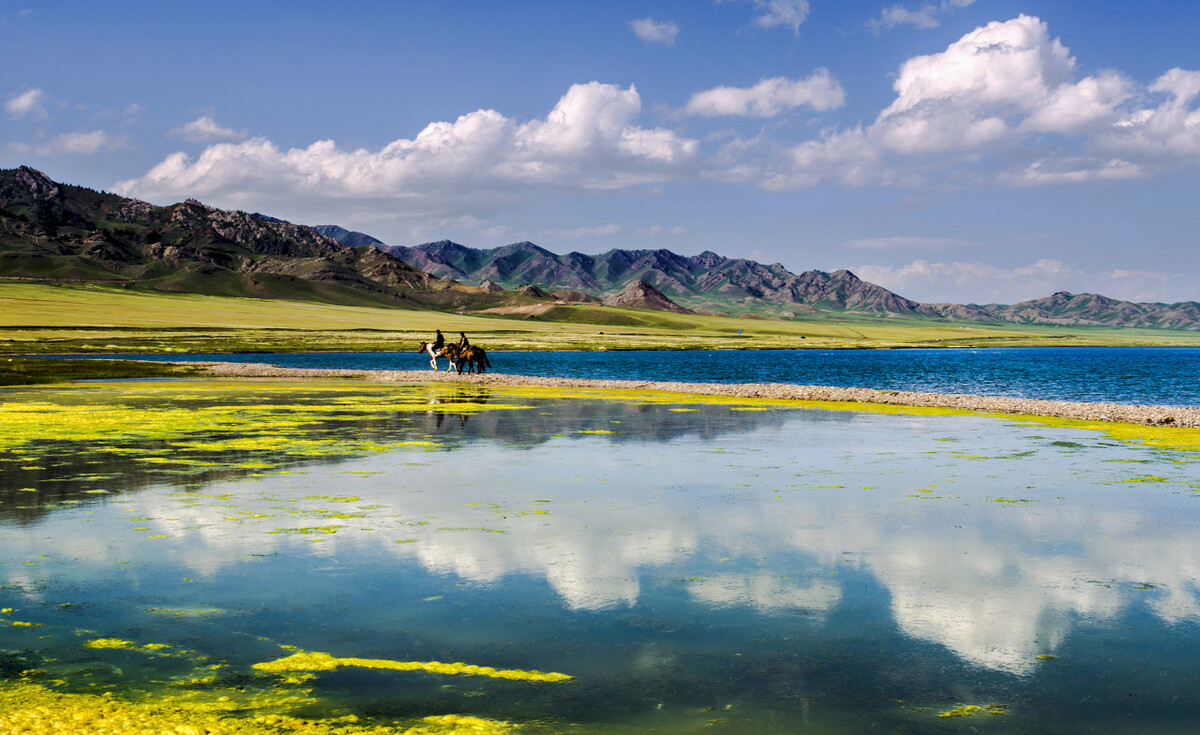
[950, 150]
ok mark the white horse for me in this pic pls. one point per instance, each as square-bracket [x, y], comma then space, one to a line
[450, 352]
[427, 348]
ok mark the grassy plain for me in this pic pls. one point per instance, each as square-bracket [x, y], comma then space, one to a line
[66, 319]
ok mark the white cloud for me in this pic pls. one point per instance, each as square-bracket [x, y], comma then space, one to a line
[27, 104]
[980, 283]
[911, 243]
[924, 17]
[963, 97]
[1002, 105]
[588, 141]
[789, 13]
[579, 232]
[84, 144]
[655, 230]
[652, 31]
[896, 15]
[770, 97]
[847, 157]
[206, 130]
[1072, 170]
[986, 103]
[1166, 132]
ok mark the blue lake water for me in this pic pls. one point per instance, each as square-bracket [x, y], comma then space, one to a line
[696, 566]
[1146, 375]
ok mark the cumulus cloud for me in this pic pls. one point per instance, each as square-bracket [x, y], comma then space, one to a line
[27, 104]
[206, 130]
[981, 283]
[84, 144]
[770, 97]
[925, 16]
[1004, 105]
[588, 141]
[847, 157]
[988, 101]
[1164, 132]
[652, 31]
[789, 13]
[964, 96]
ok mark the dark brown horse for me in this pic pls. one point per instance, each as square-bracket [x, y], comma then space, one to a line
[475, 359]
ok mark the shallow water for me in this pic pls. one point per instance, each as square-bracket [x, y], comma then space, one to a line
[718, 566]
[1167, 376]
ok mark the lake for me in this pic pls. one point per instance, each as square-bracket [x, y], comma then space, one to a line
[692, 565]
[1140, 375]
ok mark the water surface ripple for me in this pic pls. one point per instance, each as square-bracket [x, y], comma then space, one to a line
[1140, 375]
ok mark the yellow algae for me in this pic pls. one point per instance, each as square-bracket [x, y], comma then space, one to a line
[109, 643]
[309, 530]
[970, 710]
[34, 709]
[119, 643]
[317, 661]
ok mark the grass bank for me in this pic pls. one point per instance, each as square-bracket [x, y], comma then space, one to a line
[64, 319]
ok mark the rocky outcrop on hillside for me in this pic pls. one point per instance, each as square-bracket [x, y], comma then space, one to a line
[641, 295]
[349, 238]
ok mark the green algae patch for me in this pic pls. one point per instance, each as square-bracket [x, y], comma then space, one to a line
[970, 710]
[316, 661]
[109, 643]
[261, 415]
[191, 427]
[35, 709]
[1163, 437]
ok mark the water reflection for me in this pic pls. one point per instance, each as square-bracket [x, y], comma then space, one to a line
[652, 549]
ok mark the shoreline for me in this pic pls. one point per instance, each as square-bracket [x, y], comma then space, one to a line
[1143, 415]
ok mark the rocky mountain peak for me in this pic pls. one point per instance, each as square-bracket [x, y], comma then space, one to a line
[40, 186]
[638, 294]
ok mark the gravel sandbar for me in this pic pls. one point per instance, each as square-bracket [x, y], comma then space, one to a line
[1115, 412]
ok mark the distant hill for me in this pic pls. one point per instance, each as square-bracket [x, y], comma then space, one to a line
[348, 238]
[641, 295]
[1088, 308]
[714, 283]
[704, 282]
[58, 232]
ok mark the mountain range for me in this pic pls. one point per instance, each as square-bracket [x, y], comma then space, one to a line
[58, 232]
[713, 283]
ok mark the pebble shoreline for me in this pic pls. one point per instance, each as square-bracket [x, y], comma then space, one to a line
[1182, 417]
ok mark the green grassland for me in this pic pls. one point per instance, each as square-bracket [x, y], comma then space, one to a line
[40, 318]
